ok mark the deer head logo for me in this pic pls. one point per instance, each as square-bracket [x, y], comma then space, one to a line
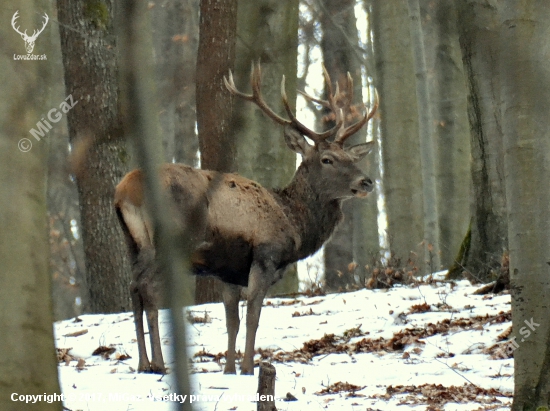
[29, 40]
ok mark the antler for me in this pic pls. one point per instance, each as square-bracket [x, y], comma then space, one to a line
[332, 102]
[37, 32]
[13, 19]
[256, 98]
[24, 34]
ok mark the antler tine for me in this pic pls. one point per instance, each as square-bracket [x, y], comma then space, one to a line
[14, 22]
[349, 91]
[37, 32]
[316, 137]
[328, 83]
[309, 97]
[256, 96]
[230, 85]
[344, 133]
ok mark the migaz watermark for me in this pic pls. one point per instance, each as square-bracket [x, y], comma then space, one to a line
[44, 125]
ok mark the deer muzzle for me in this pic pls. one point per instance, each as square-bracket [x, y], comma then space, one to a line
[362, 187]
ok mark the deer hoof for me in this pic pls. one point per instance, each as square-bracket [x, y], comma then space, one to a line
[144, 367]
[157, 369]
[247, 370]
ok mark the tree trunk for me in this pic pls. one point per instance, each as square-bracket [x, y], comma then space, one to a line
[216, 53]
[267, 32]
[452, 133]
[356, 239]
[172, 243]
[425, 131]
[525, 98]
[89, 58]
[67, 259]
[28, 365]
[396, 84]
[478, 27]
[175, 38]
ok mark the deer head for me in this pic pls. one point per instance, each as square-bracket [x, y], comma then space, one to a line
[331, 167]
[29, 40]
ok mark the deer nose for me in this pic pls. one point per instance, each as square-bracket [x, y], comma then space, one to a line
[367, 184]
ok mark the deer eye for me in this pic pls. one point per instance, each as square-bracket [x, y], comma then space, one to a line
[327, 161]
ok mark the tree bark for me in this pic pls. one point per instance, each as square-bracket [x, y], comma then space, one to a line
[451, 132]
[525, 98]
[29, 364]
[478, 27]
[216, 54]
[175, 38]
[89, 57]
[425, 131]
[67, 259]
[267, 31]
[402, 173]
[172, 244]
[356, 239]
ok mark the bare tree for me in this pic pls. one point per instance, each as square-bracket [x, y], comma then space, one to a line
[396, 83]
[524, 100]
[355, 241]
[175, 42]
[267, 31]
[452, 133]
[425, 133]
[89, 47]
[487, 240]
[139, 123]
[26, 315]
[218, 28]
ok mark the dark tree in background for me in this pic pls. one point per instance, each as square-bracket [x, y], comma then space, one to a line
[218, 28]
[267, 31]
[451, 127]
[356, 238]
[89, 57]
[175, 27]
[396, 83]
[426, 140]
[487, 240]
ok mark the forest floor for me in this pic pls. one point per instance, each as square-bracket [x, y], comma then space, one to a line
[428, 347]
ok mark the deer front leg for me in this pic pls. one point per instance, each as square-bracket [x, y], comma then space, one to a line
[231, 294]
[137, 305]
[258, 284]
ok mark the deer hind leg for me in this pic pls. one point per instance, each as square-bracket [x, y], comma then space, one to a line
[157, 361]
[151, 297]
[137, 305]
[231, 294]
[145, 296]
[257, 289]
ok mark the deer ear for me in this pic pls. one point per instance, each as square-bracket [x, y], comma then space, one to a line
[360, 150]
[297, 142]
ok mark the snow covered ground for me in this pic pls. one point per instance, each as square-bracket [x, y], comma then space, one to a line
[419, 348]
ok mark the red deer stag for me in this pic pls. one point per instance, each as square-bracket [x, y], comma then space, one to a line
[247, 234]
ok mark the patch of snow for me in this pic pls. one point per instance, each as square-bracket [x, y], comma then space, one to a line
[451, 359]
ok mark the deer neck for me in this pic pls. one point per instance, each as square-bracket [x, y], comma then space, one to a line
[314, 216]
